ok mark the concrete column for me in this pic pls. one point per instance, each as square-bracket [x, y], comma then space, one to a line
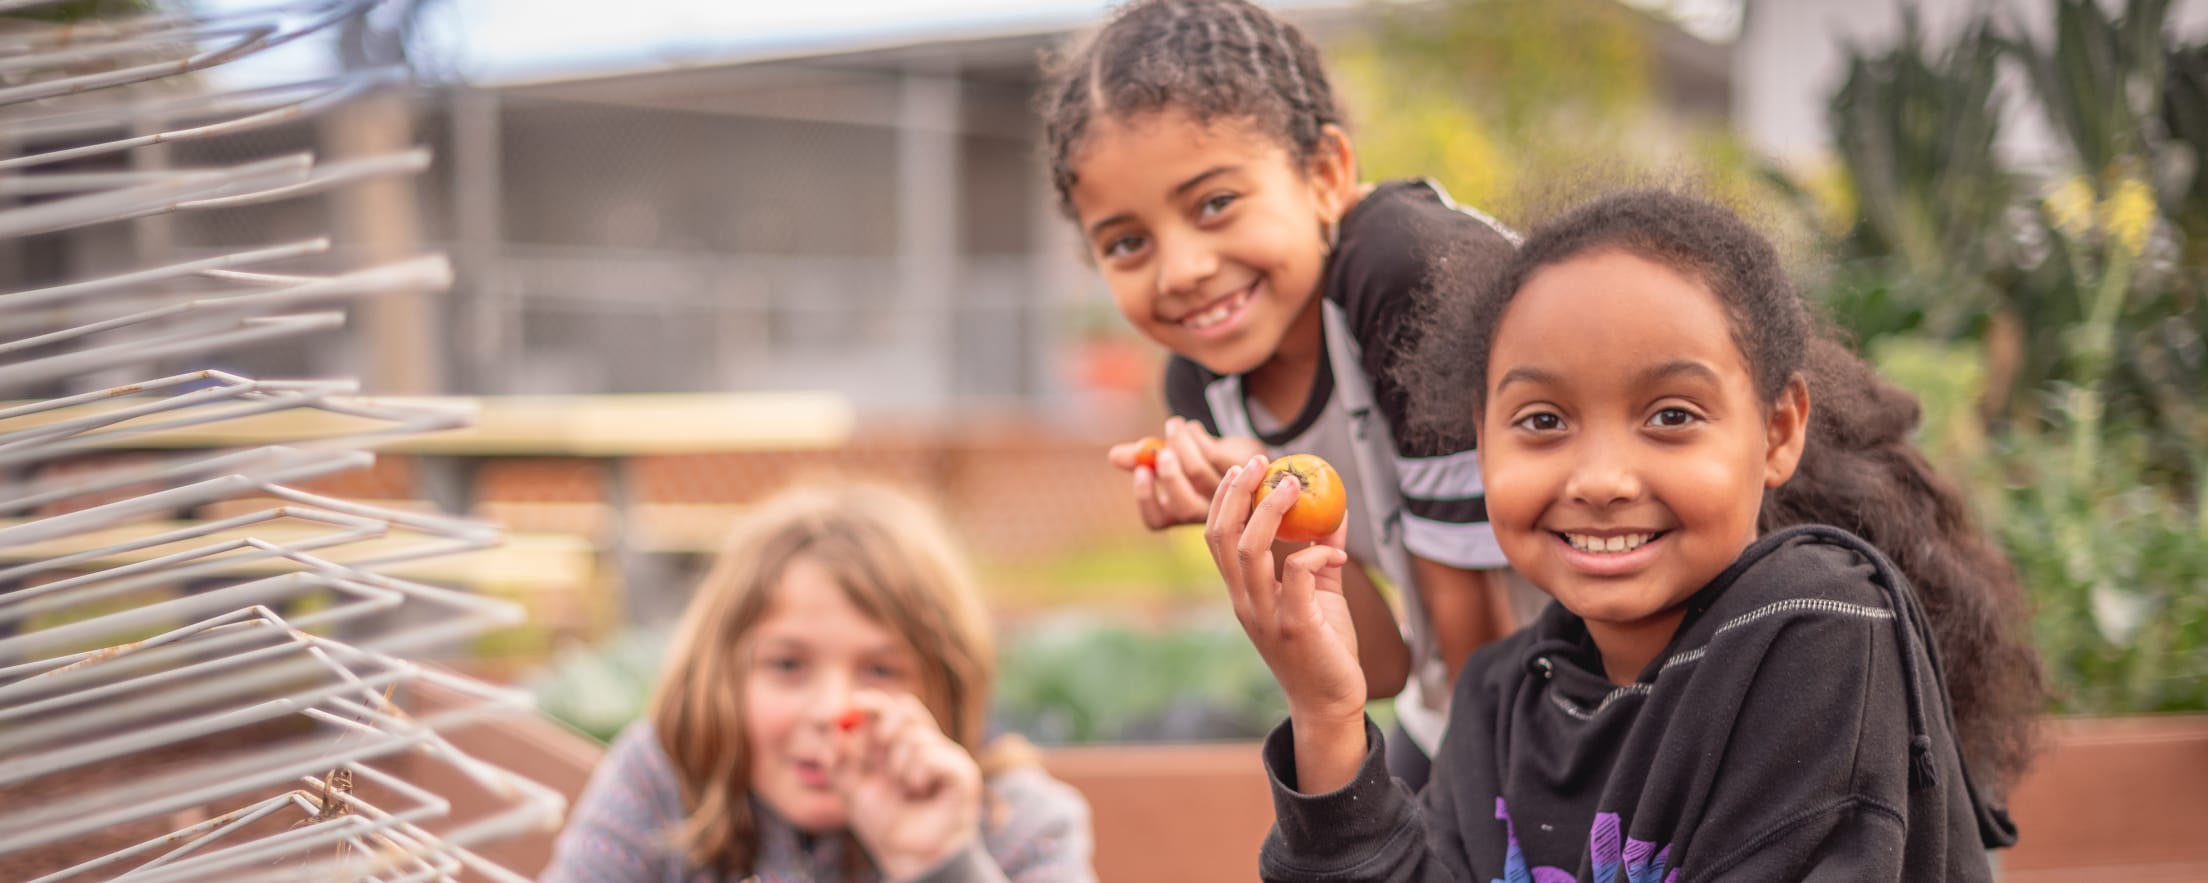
[928, 227]
[1055, 275]
[376, 222]
[489, 346]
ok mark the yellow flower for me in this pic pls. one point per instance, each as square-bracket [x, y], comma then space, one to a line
[2128, 215]
[2070, 205]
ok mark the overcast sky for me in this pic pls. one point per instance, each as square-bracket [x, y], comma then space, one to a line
[500, 40]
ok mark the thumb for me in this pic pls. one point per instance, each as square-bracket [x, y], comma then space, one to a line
[1122, 456]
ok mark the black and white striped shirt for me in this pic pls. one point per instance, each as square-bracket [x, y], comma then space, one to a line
[1409, 496]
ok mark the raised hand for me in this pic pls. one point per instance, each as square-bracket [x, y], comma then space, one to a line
[914, 796]
[1299, 620]
[1179, 488]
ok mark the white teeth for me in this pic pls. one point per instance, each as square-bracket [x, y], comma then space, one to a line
[1607, 545]
[1217, 314]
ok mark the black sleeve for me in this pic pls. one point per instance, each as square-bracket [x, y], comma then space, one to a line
[1185, 382]
[1380, 275]
[1371, 829]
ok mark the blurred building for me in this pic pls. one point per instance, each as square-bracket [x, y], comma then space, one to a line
[868, 219]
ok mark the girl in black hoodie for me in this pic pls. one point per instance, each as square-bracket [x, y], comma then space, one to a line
[1709, 700]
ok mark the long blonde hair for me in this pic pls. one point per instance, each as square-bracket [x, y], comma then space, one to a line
[896, 562]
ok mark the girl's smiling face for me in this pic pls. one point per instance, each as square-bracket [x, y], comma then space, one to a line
[1624, 446]
[806, 657]
[1210, 235]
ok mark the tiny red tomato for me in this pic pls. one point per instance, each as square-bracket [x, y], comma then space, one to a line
[1147, 453]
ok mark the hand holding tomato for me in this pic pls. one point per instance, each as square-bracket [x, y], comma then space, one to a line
[1300, 619]
[1175, 476]
[913, 795]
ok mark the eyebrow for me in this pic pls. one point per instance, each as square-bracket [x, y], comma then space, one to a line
[1527, 375]
[1668, 370]
[1678, 368]
[1178, 189]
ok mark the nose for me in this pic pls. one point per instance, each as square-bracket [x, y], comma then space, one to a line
[1184, 262]
[1605, 474]
[831, 696]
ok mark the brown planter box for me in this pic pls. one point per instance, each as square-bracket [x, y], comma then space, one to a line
[2111, 799]
[2114, 799]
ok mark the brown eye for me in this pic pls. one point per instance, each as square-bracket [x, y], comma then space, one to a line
[1541, 422]
[1122, 246]
[1672, 418]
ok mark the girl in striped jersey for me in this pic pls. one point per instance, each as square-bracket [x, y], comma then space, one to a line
[1197, 145]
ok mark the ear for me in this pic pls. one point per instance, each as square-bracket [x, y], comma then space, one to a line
[1333, 172]
[1786, 432]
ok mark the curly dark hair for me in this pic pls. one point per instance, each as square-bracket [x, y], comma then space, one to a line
[1214, 59]
[1861, 473]
[1859, 470]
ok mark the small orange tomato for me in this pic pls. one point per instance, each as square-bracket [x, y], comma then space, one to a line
[1320, 504]
[1146, 454]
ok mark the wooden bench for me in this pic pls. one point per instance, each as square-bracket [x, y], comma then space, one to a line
[665, 528]
[611, 430]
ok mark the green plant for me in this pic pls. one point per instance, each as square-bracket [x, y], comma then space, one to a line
[1077, 679]
[2115, 564]
[2117, 567]
[601, 689]
[1914, 128]
[1525, 107]
[2101, 78]
[2185, 121]
[1082, 679]
[2085, 287]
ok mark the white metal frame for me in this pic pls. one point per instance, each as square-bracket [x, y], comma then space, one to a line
[114, 649]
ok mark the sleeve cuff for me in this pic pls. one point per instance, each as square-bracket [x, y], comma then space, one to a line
[969, 865]
[1354, 813]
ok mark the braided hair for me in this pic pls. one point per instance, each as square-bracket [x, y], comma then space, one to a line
[1212, 59]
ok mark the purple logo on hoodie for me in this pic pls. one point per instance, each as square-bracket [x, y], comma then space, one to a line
[1641, 860]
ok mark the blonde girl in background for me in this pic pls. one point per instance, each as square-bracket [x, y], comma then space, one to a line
[822, 716]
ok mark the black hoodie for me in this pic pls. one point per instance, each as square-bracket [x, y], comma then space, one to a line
[1796, 728]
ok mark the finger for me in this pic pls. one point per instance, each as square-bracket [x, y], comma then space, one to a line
[1219, 534]
[843, 762]
[1300, 578]
[1231, 512]
[1211, 511]
[904, 767]
[1234, 505]
[1122, 456]
[1215, 451]
[917, 712]
[1146, 500]
[888, 719]
[1194, 461]
[1181, 498]
[1255, 548]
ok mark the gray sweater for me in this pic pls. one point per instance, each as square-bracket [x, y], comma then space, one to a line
[618, 831]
